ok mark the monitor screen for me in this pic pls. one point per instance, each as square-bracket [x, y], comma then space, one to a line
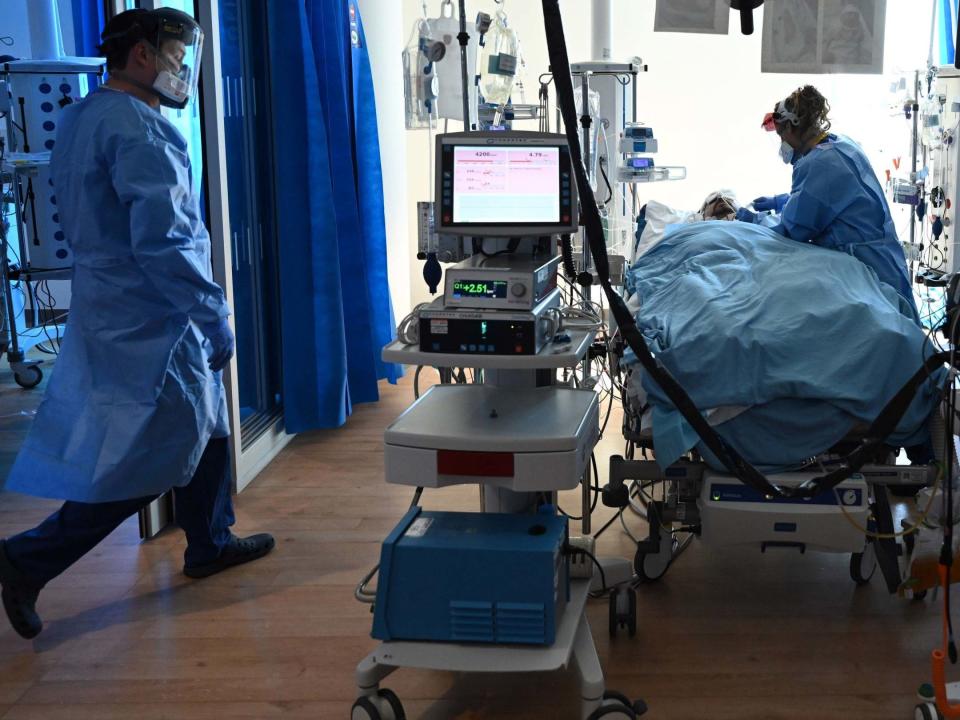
[506, 184]
[493, 289]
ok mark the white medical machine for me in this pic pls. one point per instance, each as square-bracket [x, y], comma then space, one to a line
[518, 435]
[33, 95]
[939, 137]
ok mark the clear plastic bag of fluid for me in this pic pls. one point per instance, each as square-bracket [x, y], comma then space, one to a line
[595, 124]
[930, 123]
[420, 85]
[450, 90]
[499, 61]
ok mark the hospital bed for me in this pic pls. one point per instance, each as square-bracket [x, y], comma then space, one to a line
[682, 489]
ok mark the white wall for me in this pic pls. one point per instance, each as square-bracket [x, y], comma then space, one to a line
[13, 23]
[382, 20]
[704, 96]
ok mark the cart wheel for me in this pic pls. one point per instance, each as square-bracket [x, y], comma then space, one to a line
[616, 711]
[921, 595]
[632, 613]
[623, 610]
[927, 711]
[29, 377]
[612, 603]
[364, 709]
[394, 702]
[651, 567]
[638, 706]
[863, 564]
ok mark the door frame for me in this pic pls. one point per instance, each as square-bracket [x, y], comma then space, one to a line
[245, 465]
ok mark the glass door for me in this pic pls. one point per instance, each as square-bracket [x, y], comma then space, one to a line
[249, 151]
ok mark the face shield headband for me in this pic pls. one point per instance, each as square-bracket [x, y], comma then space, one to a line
[780, 115]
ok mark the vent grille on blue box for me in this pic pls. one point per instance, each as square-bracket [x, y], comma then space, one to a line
[471, 621]
[521, 623]
[506, 623]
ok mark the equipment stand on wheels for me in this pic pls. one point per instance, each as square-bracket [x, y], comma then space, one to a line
[432, 422]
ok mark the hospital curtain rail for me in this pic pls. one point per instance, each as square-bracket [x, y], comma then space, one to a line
[335, 301]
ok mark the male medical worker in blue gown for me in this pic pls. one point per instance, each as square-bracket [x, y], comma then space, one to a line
[836, 200]
[135, 405]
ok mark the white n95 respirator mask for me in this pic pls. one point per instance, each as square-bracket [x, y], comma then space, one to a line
[786, 152]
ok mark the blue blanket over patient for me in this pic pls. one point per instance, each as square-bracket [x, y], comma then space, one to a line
[807, 339]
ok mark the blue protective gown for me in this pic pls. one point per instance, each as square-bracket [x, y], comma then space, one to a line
[131, 403]
[836, 202]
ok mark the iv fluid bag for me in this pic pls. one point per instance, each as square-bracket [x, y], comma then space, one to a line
[450, 92]
[420, 86]
[498, 65]
[595, 121]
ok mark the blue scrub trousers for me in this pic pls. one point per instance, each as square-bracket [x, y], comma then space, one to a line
[204, 509]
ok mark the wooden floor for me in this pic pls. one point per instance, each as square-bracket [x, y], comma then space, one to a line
[723, 636]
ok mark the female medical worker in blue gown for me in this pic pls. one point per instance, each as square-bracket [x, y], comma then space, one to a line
[836, 200]
[135, 405]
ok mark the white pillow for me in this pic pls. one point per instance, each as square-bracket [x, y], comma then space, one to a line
[658, 217]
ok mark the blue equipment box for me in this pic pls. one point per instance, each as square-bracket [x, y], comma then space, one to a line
[473, 577]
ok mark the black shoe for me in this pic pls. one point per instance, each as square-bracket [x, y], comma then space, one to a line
[19, 598]
[237, 552]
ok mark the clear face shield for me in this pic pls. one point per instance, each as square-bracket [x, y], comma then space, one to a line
[178, 64]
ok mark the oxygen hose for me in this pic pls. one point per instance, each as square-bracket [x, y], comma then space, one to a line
[884, 424]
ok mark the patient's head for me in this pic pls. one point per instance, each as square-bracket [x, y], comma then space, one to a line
[720, 205]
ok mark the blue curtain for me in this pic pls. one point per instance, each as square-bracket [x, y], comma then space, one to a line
[88, 21]
[336, 312]
[947, 29]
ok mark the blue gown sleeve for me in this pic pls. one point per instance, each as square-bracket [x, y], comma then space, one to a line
[152, 177]
[822, 188]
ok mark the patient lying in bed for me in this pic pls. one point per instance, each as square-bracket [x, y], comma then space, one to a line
[784, 346]
[657, 217]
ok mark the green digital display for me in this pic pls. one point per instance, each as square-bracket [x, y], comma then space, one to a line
[493, 289]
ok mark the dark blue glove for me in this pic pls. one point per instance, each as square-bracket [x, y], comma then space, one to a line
[773, 202]
[747, 216]
[222, 343]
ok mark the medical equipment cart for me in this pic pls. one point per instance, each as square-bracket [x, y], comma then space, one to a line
[18, 175]
[33, 96]
[551, 431]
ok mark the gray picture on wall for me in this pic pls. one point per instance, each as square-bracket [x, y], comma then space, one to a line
[823, 36]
